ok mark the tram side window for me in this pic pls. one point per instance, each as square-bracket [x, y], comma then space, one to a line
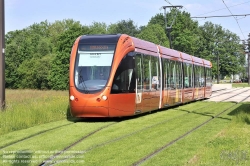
[155, 73]
[202, 76]
[124, 80]
[208, 77]
[165, 72]
[188, 83]
[171, 75]
[196, 76]
[147, 82]
[178, 75]
[199, 76]
[139, 66]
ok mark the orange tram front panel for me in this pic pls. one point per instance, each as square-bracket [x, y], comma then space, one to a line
[119, 75]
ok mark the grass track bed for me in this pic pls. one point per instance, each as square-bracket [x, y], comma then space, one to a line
[121, 130]
[16, 136]
[184, 152]
[132, 139]
[208, 108]
[51, 141]
[193, 106]
[229, 147]
[131, 126]
[148, 140]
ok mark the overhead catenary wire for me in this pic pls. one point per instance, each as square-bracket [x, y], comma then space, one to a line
[201, 15]
[220, 16]
[223, 8]
[235, 19]
[169, 2]
[233, 15]
[173, 5]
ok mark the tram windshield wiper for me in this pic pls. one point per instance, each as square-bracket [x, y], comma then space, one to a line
[82, 82]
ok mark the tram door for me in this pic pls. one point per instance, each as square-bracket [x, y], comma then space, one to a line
[174, 82]
[148, 88]
[199, 82]
[208, 82]
[188, 82]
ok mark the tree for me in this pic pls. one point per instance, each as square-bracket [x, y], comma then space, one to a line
[42, 69]
[158, 19]
[18, 49]
[124, 27]
[233, 59]
[56, 29]
[11, 65]
[24, 49]
[98, 28]
[59, 74]
[27, 74]
[184, 32]
[43, 48]
[38, 56]
[154, 33]
[218, 43]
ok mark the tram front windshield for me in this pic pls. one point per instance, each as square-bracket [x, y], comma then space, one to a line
[92, 67]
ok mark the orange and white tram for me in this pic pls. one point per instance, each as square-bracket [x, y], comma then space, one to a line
[120, 75]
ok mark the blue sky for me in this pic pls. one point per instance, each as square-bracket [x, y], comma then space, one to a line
[20, 14]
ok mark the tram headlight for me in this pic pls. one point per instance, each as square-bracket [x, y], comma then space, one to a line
[104, 97]
[72, 97]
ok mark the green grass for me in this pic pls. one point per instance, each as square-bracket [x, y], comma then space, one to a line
[223, 141]
[185, 152]
[230, 147]
[242, 114]
[142, 143]
[46, 144]
[235, 85]
[200, 107]
[239, 85]
[12, 137]
[27, 108]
